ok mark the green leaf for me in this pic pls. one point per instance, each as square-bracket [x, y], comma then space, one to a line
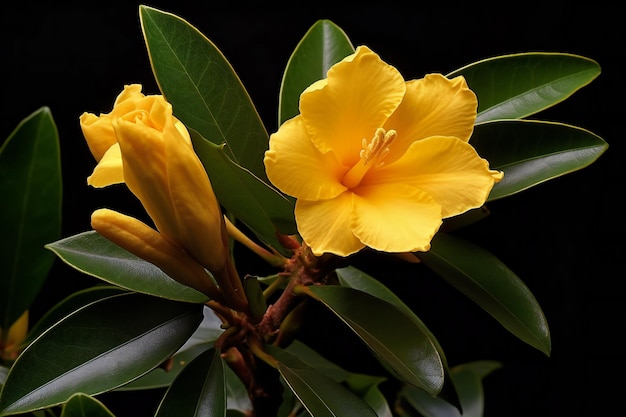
[83, 405]
[322, 46]
[259, 206]
[204, 90]
[388, 332]
[70, 304]
[467, 379]
[93, 254]
[532, 152]
[318, 393]
[308, 356]
[322, 396]
[163, 376]
[30, 213]
[518, 85]
[98, 348]
[365, 386]
[236, 394]
[290, 405]
[202, 339]
[199, 390]
[354, 278]
[370, 392]
[256, 299]
[492, 285]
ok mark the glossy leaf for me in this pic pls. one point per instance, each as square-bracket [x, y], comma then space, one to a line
[371, 393]
[70, 304]
[322, 46]
[201, 340]
[365, 386]
[236, 394]
[259, 206]
[93, 254]
[483, 278]
[199, 389]
[467, 379]
[354, 278]
[100, 347]
[321, 396]
[30, 213]
[532, 152]
[204, 90]
[298, 354]
[519, 85]
[388, 332]
[83, 405]
[318, 393]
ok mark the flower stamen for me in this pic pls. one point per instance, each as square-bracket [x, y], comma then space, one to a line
[371, 155]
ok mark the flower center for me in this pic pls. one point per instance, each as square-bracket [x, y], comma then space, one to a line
[371, 155]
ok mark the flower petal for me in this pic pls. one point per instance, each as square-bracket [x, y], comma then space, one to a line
[109, 170]
[98, 133]
[98, 130]
[357, 97]
[146, 176]
[200, 223]
[296, 166]
[325, 225]
[131, 94]
[395, 218]
[447, 168]
[182, 129]
[432, 106]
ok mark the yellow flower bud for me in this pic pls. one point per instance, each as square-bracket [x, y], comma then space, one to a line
[101, 139]
[143, 241]
[164, 172]
[142, 144]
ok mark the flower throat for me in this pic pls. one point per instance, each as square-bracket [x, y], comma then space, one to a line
[371, 155]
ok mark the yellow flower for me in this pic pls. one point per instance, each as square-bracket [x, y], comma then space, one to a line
[376, 161]
[141, 143]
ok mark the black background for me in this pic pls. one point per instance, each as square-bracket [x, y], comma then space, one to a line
[563, 238]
